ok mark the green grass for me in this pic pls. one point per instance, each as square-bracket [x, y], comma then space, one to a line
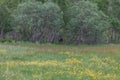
[59, 62]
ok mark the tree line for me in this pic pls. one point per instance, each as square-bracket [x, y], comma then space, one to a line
[60, 21]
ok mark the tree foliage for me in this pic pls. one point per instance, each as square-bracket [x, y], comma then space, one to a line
[4, 19]
[72, 21]
[39, 22]
[86, 23]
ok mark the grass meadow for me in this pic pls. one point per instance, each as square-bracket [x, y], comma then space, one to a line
[59, 62]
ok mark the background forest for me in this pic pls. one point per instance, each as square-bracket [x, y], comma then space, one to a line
[60, 21]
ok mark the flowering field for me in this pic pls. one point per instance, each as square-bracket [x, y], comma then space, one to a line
[58, 62]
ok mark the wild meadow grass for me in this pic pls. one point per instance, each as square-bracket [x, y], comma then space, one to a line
[59, 62]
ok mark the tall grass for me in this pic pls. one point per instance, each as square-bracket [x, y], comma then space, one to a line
[59, 62]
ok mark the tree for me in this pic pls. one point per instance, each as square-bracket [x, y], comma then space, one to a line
[102, 4]
[111, 8]
[6, 8]
[86, 23]
[4, 19]
[38, 21]
[11, 4]
[113, 12]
